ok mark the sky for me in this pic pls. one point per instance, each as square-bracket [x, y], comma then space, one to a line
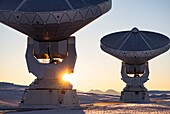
[94, 68]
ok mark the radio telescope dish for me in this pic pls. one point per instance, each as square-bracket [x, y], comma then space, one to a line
[135, 47]
[51, 50]
[51, 20]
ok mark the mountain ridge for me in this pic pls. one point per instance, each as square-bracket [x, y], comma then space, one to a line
[109, 91]
[11, 86]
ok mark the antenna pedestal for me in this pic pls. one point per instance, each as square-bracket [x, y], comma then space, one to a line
[49, 90]
[135, 90]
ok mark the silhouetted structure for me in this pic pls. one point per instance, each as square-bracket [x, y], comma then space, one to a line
[135, 48]
[50, 50]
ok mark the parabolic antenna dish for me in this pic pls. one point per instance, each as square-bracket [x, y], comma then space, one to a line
[135, 47]
[51, 20]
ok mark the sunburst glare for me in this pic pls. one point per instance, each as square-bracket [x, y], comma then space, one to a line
[68, 77]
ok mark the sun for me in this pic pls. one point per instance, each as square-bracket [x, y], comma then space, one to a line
[67, 77]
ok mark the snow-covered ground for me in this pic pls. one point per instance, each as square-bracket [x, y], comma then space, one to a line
[92, 103]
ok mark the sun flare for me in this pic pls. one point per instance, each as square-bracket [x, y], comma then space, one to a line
[67, 77]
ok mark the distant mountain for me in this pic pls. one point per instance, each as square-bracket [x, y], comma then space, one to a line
[158, 92]
[96, 91]
[11, 86]
[110, 92]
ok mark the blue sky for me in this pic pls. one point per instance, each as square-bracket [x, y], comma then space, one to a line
[94, 68]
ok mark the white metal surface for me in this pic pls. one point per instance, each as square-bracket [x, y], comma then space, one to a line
[134, 90]
[49, 90]
[135, 48]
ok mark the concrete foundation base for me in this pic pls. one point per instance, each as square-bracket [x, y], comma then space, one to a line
[134, 96]
[49, 98]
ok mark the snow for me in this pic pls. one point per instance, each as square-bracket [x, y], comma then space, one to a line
[110, 108]
[93, 104]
